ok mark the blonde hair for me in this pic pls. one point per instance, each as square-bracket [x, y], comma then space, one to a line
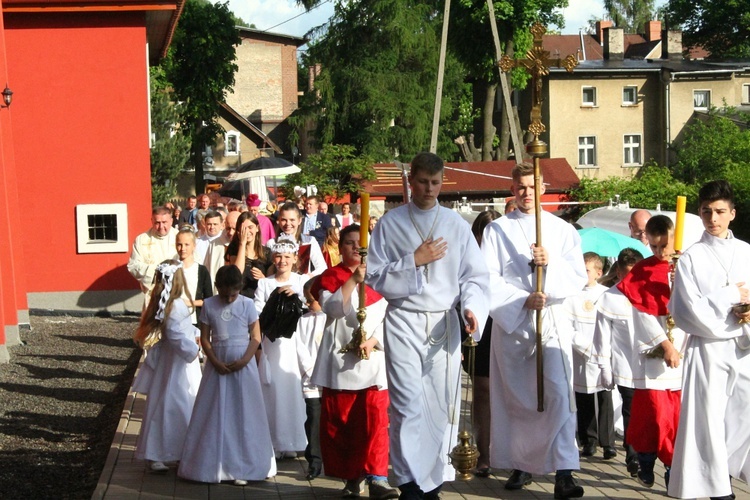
[150, 329]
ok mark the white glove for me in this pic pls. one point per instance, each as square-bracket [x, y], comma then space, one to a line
[606, 378]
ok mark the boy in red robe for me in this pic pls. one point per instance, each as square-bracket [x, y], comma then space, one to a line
[655, 410]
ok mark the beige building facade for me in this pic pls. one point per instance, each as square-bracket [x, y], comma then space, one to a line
[625, 109]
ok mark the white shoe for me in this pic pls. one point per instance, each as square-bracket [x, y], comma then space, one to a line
[290, 454]
[240, 482]
[159, 467]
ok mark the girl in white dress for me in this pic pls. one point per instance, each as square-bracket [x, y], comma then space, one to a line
[228, 437]
[170, 374]
[279, 366]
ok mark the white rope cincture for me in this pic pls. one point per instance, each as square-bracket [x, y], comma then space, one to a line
[167, 274]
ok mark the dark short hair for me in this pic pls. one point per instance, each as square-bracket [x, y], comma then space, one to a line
[351, 228]
[429, 163]
[212, 214]
[484, 218]
[313, 197]
[628, 257]
[659, 225]
[716, 190]
[289, 206]
[229, 277]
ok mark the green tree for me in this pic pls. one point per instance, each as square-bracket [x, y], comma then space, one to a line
[472, 42]
[708, 146]
[652, 186]
[376, 90]
[200, 66]
[337, 170]
[631, 15]
[170, 150]
[720, 26]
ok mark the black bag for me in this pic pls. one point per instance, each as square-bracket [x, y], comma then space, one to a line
[280, 315]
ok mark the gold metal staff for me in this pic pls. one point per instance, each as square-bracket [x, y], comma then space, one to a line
[538, 63]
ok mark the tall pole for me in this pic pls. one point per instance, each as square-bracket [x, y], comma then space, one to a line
[515, 137]
[441, 72]
[538, 62]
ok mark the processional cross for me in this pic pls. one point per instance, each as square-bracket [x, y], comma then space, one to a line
[538, 63]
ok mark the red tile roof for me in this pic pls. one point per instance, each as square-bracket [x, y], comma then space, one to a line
[472, 179]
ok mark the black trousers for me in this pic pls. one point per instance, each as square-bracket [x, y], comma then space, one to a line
[312, 431]
[593, 428]
[627, 400]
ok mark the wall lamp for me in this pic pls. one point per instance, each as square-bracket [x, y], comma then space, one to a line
[7, 96]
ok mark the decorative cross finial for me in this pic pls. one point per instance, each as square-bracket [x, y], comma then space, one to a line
[537, 63]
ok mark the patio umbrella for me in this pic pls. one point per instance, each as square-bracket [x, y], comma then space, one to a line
[263, 167]
[608, 243]
[239, 189]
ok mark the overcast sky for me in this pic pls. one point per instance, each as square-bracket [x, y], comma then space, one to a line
[265, 14]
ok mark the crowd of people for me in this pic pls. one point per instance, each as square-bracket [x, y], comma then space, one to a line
[269, 296]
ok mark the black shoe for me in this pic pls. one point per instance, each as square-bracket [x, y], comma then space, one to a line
[633, 467]
[567, 487]
[312, 472]
[589, 450]
[646, 478]
[517, 480]
[667, 473]
[609, 453]
[410, 491]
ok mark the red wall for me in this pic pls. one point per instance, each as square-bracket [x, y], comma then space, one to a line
[80, 135]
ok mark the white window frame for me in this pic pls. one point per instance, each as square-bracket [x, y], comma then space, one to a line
[87, 245]
[236, 135]
[707, 92]
[746, 93]
[588, 147]
[634, 102]
[588, 104]
[632, 148]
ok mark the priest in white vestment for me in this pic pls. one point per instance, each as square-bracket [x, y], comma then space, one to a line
[151, 249]
[522, 438]
[713, 439]
[425, 261]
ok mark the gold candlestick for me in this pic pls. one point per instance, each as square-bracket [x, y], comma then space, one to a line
[359, 335]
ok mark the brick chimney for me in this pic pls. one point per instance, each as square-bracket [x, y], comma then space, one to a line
[671, 45]
[600, 27]
[653, 31]
[614, 44]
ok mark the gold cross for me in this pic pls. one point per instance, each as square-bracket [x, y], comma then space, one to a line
[537, 63]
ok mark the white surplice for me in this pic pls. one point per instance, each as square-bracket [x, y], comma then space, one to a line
[521, 437]
[150, 250]
[347, 371]
[307, 340]
[582, 311]
[280, 376]
[713, 439]
[422, 333]
[169, 376]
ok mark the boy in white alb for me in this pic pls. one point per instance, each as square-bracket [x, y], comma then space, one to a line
[424, 260]
[712, 276]
[590, 394]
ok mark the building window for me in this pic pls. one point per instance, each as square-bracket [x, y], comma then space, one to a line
[587, 151]
[629, 96]
[632, 150]
[102, 228]
[588, 96]
[746, 93]
[231, 143]
[701, 99]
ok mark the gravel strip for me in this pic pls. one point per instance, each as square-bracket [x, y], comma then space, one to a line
[61, 398]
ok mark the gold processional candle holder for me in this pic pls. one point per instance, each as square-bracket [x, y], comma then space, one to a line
[465, 455]
[359, 335]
